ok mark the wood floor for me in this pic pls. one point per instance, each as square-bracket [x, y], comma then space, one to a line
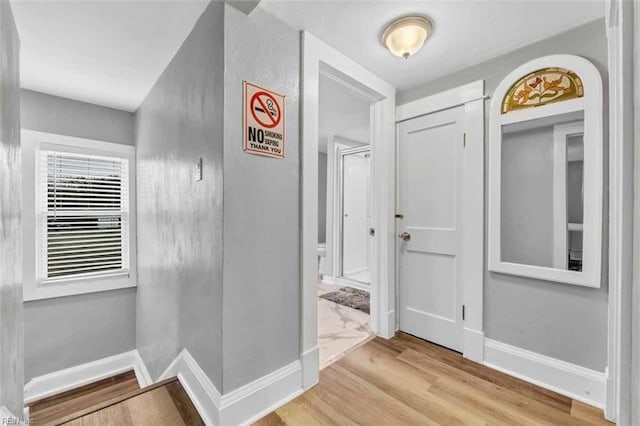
[118, 401]
[405, 380]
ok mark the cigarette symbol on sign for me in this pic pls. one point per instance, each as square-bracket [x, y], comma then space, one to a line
[270, 107]
[265, 109]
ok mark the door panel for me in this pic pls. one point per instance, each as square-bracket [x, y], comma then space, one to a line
[431, 275]
[430, 161]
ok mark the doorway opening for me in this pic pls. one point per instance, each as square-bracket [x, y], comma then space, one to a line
[320, 60]
[344, 220]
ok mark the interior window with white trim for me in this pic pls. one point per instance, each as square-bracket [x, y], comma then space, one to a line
[84, 215]
[79, 215]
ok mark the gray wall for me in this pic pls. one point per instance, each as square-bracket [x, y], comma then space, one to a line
[562, 321]
[108, 318]
[64, 116]
[68, 331]
[11, 314]
[179, 219]
[261, 317]
[322, 197]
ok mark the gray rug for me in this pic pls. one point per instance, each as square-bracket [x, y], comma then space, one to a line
[350, 297]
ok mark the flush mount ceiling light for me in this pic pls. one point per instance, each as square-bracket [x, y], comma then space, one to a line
[405, 36]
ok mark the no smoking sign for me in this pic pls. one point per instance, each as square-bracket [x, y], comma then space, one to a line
[263, 121]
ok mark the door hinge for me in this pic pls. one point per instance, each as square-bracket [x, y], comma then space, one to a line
[463, 312]
[464, 140]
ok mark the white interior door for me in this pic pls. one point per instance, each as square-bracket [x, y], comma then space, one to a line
[430, 198]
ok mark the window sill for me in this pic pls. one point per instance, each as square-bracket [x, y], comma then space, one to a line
[50, 290]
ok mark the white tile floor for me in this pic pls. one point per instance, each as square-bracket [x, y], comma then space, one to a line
[340, 328]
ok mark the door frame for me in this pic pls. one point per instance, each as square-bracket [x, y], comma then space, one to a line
[472, 97]
[318, 58]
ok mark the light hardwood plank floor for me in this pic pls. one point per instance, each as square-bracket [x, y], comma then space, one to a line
[118, 401]
[49, 409]
[164, 405]
[406, 380]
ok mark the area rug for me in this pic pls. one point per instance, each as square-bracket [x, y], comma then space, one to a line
[350, 297]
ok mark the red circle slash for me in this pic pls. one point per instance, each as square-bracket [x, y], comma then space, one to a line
[257, 104]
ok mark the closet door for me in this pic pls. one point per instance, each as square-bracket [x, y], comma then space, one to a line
[430, 246]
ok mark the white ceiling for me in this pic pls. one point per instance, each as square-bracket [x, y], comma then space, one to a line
[111, 52]
[465, 32]
[104, 52]
[341, 113]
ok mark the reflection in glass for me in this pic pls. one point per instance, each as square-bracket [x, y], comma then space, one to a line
[542, 192]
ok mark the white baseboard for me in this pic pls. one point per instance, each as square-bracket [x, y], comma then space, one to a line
[243, 405]
[310, 361]
[355, 271]
[346, 282]
[254, 400]
[388, 327]
[327, 279]
[568, 379]
[84, 374]
[196, 383]
[473, 345]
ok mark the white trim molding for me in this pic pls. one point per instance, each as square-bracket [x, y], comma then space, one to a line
[202, 392]
[244, 405]
[84, 374]
[444, 100]
[579, 383]
[472, 97]
[619, 20]
[473, 345]
[309, 360]
[254, 400]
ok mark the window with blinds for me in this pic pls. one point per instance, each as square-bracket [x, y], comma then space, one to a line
[85, 215]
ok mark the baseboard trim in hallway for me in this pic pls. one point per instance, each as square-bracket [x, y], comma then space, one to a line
[243, 405]
[579, 383]
[80, 375]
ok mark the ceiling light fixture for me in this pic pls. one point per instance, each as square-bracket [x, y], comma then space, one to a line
[405, 36]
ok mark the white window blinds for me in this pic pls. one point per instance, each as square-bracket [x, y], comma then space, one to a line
[85, 215]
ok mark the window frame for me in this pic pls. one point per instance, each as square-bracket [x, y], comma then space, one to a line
[35, 287]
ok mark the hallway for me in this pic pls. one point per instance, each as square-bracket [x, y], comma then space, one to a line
[308, 212]
[406, 380]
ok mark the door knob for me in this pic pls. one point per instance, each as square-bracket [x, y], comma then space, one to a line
[405, 236]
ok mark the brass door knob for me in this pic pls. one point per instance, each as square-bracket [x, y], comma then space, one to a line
[405, 236]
